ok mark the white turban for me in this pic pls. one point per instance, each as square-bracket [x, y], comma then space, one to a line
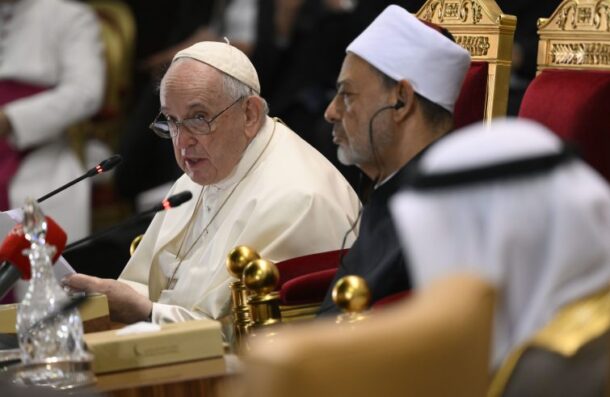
[225, 58]
[404, 48]
[540, 237]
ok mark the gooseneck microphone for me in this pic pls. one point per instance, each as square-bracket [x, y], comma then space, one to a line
[168, 203]
[399, 104]
[104, 166]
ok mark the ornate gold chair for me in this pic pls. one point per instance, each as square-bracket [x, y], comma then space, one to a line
[299, 284]
[431, 345]
[571, 93]
[570, 356]
[481, 28]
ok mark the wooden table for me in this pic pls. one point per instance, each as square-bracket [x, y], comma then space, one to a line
[194, 378]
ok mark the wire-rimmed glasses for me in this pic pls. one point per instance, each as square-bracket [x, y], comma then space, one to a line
[198, 125]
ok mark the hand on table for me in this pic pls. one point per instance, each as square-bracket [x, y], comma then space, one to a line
[126, 305]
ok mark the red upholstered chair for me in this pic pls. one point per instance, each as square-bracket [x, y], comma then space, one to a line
[304, 282]
[470, 105]
[481, 28]
[571, 93]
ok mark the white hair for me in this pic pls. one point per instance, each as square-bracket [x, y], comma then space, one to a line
[236, 89]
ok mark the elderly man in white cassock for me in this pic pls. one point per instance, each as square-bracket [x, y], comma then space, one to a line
[512, 205]
[254, 182]
[396, 92]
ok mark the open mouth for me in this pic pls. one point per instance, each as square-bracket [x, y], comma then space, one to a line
[192, 162]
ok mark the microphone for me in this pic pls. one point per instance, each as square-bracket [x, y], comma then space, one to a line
[168, 203]
[15, 265]
[104, 166]
[399, 104]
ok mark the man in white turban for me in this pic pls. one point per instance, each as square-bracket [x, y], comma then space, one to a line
[396, 92]
[510, 204]
[254, 182]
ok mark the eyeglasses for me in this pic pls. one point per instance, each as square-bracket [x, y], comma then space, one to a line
[198, 125]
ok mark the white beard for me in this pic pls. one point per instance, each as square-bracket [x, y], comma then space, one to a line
[345, 156]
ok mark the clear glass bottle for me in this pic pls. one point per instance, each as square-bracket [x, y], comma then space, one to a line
[60, 338]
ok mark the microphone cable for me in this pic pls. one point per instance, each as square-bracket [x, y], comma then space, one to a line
[375, 181]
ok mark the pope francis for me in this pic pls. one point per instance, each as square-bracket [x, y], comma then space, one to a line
[254, 182]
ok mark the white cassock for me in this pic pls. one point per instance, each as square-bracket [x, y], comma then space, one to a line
[56, 44]
[542, 240]
[284, 199]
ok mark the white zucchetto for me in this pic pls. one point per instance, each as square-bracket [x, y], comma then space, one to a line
[225, 58]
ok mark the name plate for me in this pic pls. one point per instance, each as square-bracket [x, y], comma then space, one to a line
[173, 343]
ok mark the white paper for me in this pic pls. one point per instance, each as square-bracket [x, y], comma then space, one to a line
[139, 328]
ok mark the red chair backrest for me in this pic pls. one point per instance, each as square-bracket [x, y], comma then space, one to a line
[576, 106]
[305, 279]
[470, 105]
[302, 265]
[308, 288]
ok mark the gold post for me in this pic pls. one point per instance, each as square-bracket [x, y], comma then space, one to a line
[353, 296]
[261, 277]
[236, 263]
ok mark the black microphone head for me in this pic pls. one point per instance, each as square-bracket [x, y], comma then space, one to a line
[110, 163]
[399, 104]
[178, 198]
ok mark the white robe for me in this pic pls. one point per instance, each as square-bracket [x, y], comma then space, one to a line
[52, 43]
[292, 202]
[541, 240]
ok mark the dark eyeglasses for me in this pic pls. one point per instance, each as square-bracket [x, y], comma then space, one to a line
[198, 125]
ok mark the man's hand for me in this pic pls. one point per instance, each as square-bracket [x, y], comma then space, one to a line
[126, 305]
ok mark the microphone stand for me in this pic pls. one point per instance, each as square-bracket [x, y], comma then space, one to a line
[86, 240]
[171, 202]
[102, 167]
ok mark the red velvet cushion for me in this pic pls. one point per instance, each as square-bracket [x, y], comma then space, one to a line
[576, 106]
[390, 299]
[308, 288]
[301, 265]
[470, 105]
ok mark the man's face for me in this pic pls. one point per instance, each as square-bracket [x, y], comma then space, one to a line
[191, 89]
[360, 93]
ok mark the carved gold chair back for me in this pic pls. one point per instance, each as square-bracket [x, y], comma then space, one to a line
[481, 28]
[576, 36]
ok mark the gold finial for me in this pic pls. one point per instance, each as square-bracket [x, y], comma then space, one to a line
[236, 261]
[351, 294]
[261, 276]
[239, 258]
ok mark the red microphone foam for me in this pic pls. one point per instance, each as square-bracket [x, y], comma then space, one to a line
[13, 245]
